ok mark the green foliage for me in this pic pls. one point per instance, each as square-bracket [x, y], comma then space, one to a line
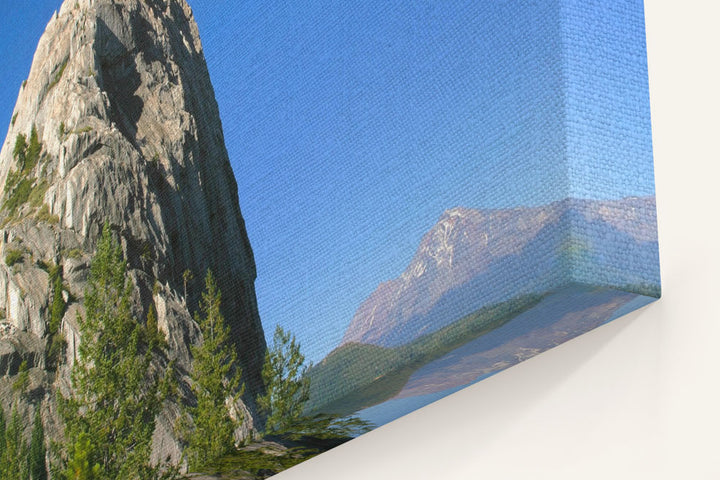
[287, 387]
[371, 374]
[84, 129]
[13, 256]
[117, 397]
[11, 182]
[44, 215]
[14, 117]
[33, 150]
[27, 155]
[19, 189]
[18, 196]
[46, 266]
[14, 462]
[36, 456]
[259, 462]
[329, 426]
[37, 195]
[55, 350]
[79, 467]
[215, 377]
[58, 75]
[23, 378]
[52, 269]
[74, 253]
[61, 130]
[57, 308]
[3, 428]
[145, 252]
[20, 149]
[155, 338]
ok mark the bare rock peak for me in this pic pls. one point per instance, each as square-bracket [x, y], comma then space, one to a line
[118, 123]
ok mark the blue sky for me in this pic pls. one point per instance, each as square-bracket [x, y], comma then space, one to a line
[352, 128]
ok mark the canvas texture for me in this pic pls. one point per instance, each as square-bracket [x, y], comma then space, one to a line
[235, 236]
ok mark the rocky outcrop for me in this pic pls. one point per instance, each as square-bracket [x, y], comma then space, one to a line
[472, 258]
[117, 122]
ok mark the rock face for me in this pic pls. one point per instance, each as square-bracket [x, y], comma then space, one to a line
[129, 133]
[472, 258]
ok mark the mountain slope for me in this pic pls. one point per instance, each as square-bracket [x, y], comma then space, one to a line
[356, 375]
[472, 258]
[121, 126]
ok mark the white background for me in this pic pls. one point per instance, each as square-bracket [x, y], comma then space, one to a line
[638, 398]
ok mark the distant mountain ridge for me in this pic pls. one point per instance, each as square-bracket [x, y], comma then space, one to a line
[471, 258]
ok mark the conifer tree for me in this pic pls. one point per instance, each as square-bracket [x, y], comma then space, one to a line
[2, 433]
[79, 466]
[57, 308]
[20, 150]
[287, 391]
[37, 449]
[14, 463]
[33, 149]
[215, 378]
[23, 378]
[151, 326]
[287, 387]
[110, 420]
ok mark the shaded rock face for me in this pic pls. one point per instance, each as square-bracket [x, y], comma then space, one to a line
[472, 258]
[121, 100]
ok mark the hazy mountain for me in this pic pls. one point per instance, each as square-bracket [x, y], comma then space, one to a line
[472, 258]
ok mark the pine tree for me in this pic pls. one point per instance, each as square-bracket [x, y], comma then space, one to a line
[110, 420]
[57, 308]
[2, 433]
[14, 463]
[287, 387]
[215, 377]
[287, 391]
[33, 150]
[23, 378]
[154, 337]
[79, 467]
[37, 450]
[20, 150]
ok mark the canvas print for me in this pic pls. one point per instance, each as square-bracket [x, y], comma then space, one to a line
[234, 235]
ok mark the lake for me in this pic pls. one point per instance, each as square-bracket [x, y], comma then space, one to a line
[559, 317]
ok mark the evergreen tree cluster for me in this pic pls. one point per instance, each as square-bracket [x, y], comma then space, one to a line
[110, 419]
[19, 459]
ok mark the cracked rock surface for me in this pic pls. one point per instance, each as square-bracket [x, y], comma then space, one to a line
[121, 102]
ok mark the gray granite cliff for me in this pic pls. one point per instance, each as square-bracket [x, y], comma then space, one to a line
[121, 100]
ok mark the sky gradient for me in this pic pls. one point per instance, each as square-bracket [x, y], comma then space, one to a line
[351, 129]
